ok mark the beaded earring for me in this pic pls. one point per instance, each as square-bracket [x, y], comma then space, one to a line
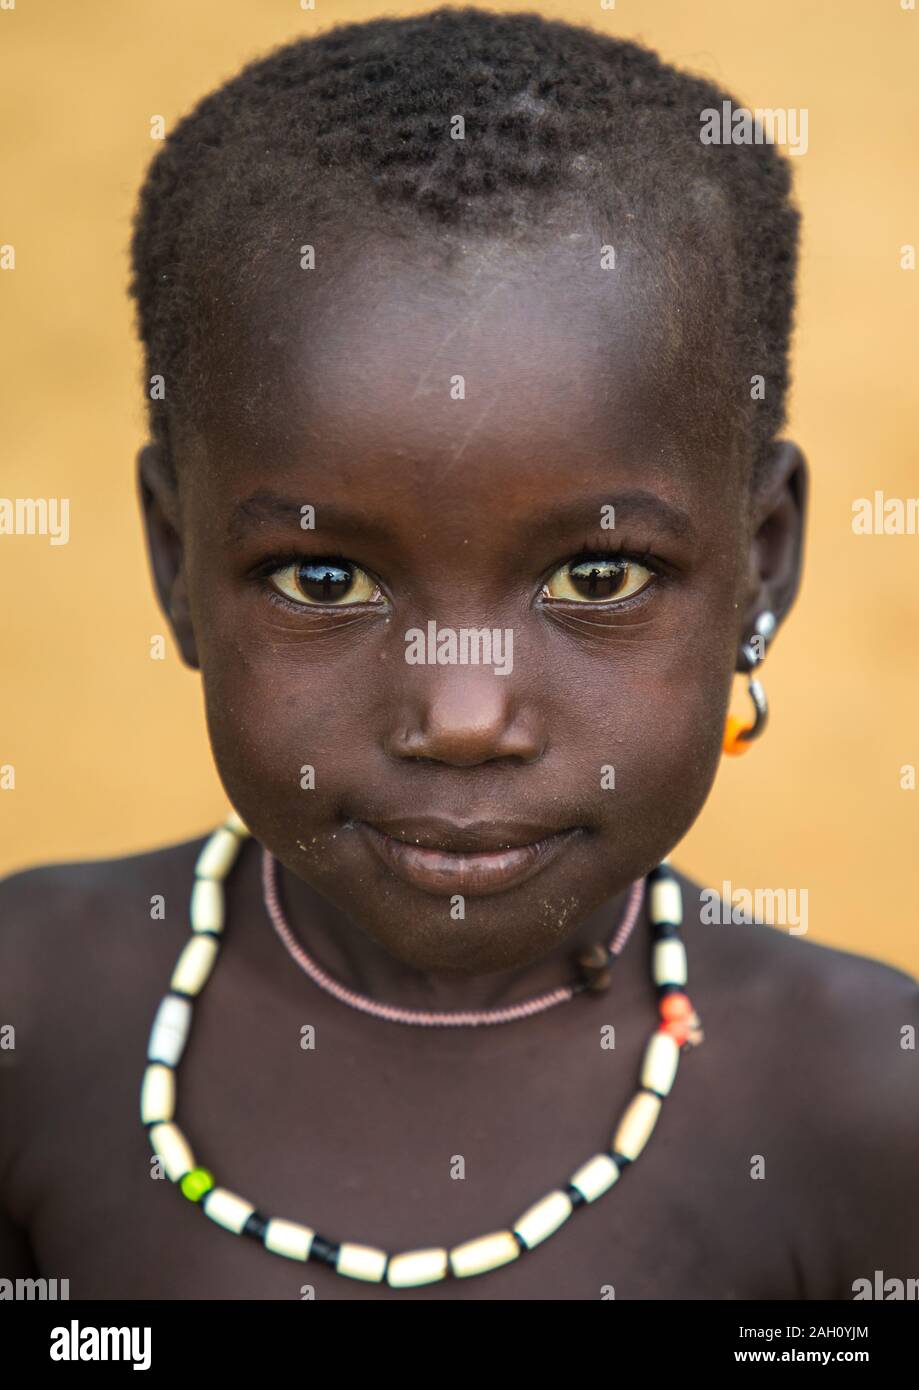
[739, 733]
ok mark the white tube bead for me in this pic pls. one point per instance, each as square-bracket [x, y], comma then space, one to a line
[170, 1030]
[666, 901]
[414, 1267]
[288, 1238]
[595, 1177]
[669, 962]
[173, 1149]
[238, 826]
[218, 854]
[361, 1262]
[207, 905]
[483, 1253]
[157, 1094]
[637, 1122]
[543, 1218]
[662, 1056]
[227, 1209]
[194, 964]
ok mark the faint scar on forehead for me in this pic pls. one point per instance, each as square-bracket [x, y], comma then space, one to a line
[461, 444]
[470, 316]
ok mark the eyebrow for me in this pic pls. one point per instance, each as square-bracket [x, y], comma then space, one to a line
[637, 504]
[265, 507]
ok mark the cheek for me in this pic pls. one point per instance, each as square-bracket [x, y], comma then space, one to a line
[284, 735]
[650, 752]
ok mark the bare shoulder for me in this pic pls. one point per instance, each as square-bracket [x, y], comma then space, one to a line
[84, 953]
[832, 1044]
[847, 1021]
[91, 882]
[785, 965]
[68, 928]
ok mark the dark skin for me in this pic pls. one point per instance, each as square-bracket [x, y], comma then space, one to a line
[454, 509]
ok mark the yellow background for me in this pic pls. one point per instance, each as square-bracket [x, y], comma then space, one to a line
[110, 748]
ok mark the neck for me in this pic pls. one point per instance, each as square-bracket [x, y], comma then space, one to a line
[340, 947]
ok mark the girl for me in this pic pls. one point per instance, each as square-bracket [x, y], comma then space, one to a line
[460, 498]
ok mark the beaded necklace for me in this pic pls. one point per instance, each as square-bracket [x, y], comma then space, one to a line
[594, 964]
[679, 1028]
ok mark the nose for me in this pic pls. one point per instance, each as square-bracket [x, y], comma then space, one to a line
[463, 715]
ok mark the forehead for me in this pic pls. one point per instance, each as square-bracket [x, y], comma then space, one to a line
[399, 364]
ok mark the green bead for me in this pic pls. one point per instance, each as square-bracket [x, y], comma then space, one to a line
[196, 1182]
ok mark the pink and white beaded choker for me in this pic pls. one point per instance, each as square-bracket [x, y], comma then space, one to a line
[594, 966]
[678, 1029]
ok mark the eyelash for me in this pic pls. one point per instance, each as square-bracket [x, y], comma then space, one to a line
[600, 545]
[591, 546]
[276, 563]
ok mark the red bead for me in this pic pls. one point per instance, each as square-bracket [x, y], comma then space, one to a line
[674, 1006]
[678, 1029]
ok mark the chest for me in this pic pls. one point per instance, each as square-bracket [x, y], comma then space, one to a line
[404, 1149]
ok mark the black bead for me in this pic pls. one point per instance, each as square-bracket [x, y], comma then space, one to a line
[665, 930]
[664, 990]
[521, 1243]
[256, 1226]
[577, 1197]
[325, 1251]
[620, 1160]
[662, 874]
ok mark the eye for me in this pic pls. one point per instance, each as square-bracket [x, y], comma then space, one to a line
[331, 583]
[597, 578]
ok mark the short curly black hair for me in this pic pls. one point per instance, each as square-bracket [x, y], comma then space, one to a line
[358, 122]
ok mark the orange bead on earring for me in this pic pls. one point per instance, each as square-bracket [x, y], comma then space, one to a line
[740, 733]
[734, 728]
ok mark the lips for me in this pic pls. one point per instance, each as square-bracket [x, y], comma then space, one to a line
[473, 859]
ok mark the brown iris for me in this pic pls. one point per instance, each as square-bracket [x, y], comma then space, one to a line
[597, 578]
[329, 582]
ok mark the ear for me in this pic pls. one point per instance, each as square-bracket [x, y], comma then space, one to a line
[779, 513]
[159, 500]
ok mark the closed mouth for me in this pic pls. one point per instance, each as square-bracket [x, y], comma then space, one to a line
[443, 868]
